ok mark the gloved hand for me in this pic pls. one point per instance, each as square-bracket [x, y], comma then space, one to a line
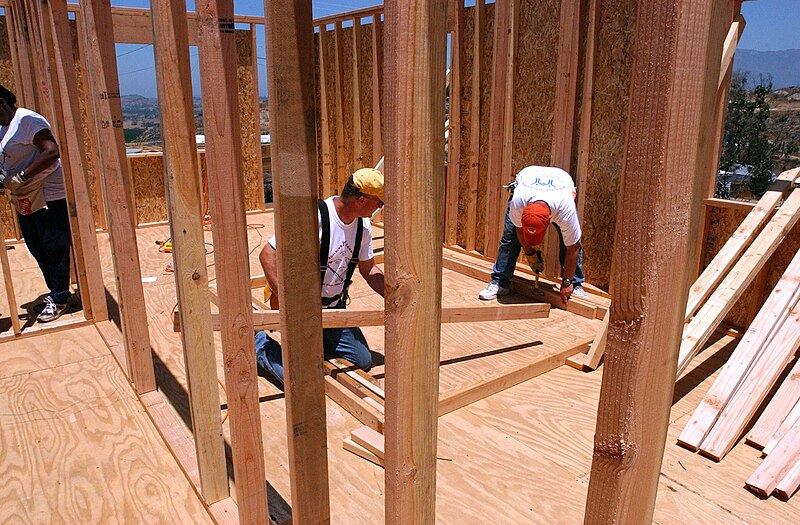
[536, 261]
[12, 182]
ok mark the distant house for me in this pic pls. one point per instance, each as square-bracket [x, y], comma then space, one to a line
[737, 182]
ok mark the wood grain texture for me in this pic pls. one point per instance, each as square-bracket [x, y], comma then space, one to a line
[118, 191]
[736, 281]
[779, 406]
[290, 58]
[735, 246]
[496, 446]
[616, 21]
[758, 336]
[501, 119]
[414, 87]
[674, 44]
[218, 55]
[81, 216]
[61, 442]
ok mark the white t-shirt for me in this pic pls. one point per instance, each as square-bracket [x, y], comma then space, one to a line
[553, 186]
[17, 151]
[343, 240]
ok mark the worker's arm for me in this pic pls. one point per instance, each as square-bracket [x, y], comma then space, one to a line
[372, 274]
[568, 271]
[47, 144]
[269, 263]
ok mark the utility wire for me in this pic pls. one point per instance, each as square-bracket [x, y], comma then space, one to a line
[133, 50]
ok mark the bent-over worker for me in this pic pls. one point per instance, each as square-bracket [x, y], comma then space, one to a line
[539, 195]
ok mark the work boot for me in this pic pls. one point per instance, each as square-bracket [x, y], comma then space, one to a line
[492, 291]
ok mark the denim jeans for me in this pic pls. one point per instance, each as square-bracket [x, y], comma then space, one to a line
[348, 343]
[508, 253]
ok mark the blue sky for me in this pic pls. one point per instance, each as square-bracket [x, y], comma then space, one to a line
[771, 25]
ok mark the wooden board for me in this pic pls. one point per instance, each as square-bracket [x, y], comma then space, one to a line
[745, 360]
[779, 406]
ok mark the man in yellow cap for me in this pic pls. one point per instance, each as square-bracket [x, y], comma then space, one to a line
[540, 195]
[345, 243]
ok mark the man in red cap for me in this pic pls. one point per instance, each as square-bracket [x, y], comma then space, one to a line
[541, 195]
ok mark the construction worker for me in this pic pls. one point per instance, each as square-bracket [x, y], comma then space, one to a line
[539, 195]
[345, 243]
[30, 168]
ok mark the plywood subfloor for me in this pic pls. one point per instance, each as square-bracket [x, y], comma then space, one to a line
[520, 456]
[76, 445]
[29, 289]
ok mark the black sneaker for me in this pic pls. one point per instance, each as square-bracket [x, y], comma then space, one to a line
[52, 310]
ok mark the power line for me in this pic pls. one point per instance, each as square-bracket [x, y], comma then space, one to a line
[133, 50]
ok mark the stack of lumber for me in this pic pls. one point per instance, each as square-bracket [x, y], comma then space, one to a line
[766, 351]
[737, 264]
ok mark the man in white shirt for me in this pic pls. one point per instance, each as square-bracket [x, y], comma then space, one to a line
[346, 232]
[541, 195]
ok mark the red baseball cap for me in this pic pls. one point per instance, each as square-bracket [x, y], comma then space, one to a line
[535, 219]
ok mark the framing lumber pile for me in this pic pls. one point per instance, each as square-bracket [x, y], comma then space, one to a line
[765, 353]
[740, 261]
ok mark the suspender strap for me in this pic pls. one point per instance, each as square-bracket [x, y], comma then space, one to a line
[351, 266]
[325, 242]
[324, 247]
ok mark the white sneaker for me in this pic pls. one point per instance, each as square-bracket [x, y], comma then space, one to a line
[492, 291]
[52, 310]
[578, 291]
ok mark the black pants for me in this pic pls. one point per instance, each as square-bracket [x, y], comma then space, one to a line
[47, 235]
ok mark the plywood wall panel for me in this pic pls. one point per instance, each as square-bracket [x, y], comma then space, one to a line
[249, 121]
[617, 20]
[149, 193]
[535, 83]
[365, 92]
[329, 60]
[346, 70]
[486, 97]
[467, 54]
[6, 79]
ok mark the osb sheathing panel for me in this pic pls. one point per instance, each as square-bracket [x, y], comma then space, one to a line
[329, 60]
[536, 59]
[346, 69]
[616, 22]
[318, 114]
[249, 121]
[147, 173]
[466, 76]
[365, 83]
[89, 167]
[487, 36]
[6, 79]
[724, 222]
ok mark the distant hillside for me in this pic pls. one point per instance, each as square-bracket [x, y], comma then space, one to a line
[782, 66]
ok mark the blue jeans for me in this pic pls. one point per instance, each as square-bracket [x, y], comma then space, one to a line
[348, 343]
[508, 253]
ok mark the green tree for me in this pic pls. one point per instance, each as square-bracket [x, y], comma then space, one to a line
[745, 142]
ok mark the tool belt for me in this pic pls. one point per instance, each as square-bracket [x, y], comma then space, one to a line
[341, 299]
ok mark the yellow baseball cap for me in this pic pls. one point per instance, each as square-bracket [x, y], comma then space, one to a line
[369, 181]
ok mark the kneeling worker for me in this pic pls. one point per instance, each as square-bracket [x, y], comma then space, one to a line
[539, 195]
[345, 236]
